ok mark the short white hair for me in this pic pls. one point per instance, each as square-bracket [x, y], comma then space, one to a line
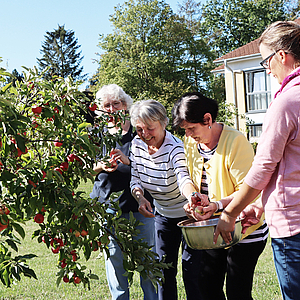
[112, 91]
[148, 111]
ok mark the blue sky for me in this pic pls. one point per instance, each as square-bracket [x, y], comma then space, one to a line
[23, 25]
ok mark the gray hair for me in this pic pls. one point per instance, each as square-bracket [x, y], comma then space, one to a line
[148, 111]
[112, 91]
[283, 35]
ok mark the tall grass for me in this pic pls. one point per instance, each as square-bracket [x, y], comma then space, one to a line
[265, 286]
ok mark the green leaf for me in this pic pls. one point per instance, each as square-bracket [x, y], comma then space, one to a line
[20, 142]
[7, 176]
[16, 273]
[12, 244]
[58, 281]
[29, 273]
[19, 229]
[93, 276]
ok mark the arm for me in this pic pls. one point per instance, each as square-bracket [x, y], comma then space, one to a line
[118, 155]
[226, 223]
[144, 205]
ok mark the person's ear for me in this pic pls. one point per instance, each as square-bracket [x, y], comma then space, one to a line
[207, 119]
[282, 56]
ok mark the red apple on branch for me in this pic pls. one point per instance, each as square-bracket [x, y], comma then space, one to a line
[57, 143]
[36, 110]
[93, 107]
[39, 218]
[77, 280]
[64, 166]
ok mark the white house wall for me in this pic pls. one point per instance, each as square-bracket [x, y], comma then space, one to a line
[237, 66]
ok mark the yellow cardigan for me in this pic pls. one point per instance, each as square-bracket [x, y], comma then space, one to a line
[226, 169]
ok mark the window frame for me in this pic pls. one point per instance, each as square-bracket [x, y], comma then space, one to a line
[266, 92]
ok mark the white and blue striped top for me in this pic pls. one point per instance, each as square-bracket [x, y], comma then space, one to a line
[163, 174]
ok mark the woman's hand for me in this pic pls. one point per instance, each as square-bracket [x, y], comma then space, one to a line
[196, 205]
[109, 167]
[118, 155]
[145, 207]
[226, 225]
[206, 213]
[251, 214]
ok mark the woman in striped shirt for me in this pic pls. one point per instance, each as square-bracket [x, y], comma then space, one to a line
[218, 158]
[158, 165]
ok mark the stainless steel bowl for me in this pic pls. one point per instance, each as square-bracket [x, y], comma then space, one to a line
[200, 234]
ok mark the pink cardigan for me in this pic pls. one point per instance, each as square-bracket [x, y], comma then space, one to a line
[276, 166]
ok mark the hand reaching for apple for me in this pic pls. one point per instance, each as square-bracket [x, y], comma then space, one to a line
[199, 207]
[109, 166]
[118, 155]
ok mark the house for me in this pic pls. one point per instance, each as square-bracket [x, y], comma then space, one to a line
[248, 87]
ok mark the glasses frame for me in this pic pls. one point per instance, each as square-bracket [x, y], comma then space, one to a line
[114, 105]
[266, 62]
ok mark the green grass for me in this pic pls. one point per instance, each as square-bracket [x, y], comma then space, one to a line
[265, 286]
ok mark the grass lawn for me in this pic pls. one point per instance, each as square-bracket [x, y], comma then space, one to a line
[265, 286]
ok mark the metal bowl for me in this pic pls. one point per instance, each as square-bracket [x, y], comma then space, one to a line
[200, 234]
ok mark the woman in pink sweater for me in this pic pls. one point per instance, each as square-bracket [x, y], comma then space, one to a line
[276, 167]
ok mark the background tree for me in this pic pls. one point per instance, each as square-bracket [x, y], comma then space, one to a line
[15, 76]
[60, 53]
[152, 53]
[229, 24]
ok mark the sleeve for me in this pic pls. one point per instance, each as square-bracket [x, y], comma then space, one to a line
[177, 158]
[280, 126]
[239, 160]
[135, 181]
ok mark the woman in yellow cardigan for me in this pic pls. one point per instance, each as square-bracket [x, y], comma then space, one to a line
[218, 158]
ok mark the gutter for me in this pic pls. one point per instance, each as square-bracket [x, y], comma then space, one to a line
[234, 91]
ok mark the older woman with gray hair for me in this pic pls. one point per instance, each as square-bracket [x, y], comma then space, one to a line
[116, 178]
[158, 165]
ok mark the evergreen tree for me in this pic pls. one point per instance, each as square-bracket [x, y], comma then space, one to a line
[15, 76]
[60, 53]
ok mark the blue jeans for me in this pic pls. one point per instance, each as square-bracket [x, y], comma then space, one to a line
[118, 284]
[286, 253]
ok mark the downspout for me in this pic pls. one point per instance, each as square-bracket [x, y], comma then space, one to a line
[234, 93]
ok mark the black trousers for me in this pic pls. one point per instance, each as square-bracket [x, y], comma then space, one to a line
[168, 238]
[237, 263]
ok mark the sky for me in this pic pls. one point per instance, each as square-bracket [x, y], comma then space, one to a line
[23, 25]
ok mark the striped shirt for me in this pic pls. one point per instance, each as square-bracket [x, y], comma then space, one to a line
[163, 174]
[260, 233]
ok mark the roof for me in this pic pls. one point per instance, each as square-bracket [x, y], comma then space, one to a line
[248, 49]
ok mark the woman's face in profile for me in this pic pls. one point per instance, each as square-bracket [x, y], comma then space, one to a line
[199, 132]
[152, 134]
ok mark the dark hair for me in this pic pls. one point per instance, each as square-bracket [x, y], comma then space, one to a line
[192, 107]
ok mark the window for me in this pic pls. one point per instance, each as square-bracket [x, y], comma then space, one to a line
[255, 130]
[258, 91]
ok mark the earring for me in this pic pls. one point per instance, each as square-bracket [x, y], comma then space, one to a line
[209, 127]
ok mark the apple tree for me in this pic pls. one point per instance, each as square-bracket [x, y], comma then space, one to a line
[46, 150]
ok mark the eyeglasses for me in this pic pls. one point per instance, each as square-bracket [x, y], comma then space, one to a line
[114, 104]
[266, 62]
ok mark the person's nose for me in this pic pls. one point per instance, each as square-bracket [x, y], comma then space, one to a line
[145, 133]
[187, 133]
[111, 109]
